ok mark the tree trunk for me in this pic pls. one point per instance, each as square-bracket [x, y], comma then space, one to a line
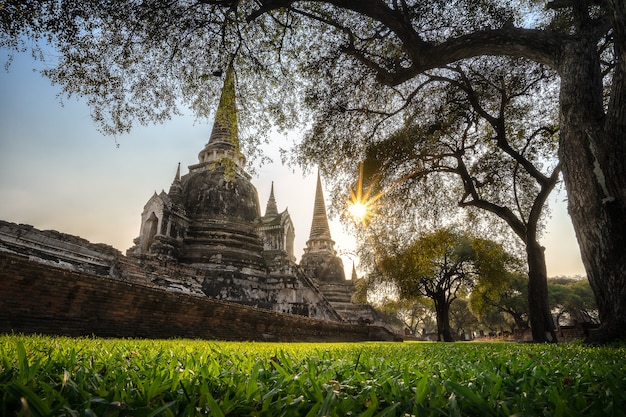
[539, 314]
[442, 308]
[520, 323]
[592, 151]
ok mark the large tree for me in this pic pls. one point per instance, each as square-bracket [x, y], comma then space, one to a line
[442, 266]
[138, 60]
[488, 133]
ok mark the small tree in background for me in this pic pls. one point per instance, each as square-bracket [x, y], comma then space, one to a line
[572, 299]
[360, 291]
[496, 322]
[443, 266]
[463, 322]
[506, 296]
[416, 315]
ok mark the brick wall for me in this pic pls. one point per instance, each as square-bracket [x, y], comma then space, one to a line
[36, 298]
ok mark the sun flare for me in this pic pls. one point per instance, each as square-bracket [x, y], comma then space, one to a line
[358, 210]
[362, 205]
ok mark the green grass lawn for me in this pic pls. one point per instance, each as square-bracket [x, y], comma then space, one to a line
[53, 376]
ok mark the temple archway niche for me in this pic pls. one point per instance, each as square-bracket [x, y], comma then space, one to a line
[149, 231]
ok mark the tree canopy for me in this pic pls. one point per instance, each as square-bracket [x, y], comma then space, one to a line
[442, 266]
[484, 138]
[572, 301]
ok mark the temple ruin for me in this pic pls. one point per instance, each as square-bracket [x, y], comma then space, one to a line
[207, 236]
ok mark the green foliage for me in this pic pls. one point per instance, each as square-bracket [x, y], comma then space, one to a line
[509, 295]
[360, 291]
[443, 266]
[462, 320]
[446, 261]
[417, 314]
[572, 298]
[55, 376]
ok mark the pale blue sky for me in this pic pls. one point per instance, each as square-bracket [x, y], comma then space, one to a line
[58, 172]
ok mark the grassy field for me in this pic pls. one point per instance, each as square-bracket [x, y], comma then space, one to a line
[53, 376]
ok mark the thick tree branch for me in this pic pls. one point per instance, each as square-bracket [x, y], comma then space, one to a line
[504, 213]
[540, 201]
[539, 45]
[497, 122]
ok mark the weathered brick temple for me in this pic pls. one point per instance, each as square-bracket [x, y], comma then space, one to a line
[205, 238]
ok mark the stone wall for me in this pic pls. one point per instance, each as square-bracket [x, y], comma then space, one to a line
[57, 249]
[283, 287]
[38, 298]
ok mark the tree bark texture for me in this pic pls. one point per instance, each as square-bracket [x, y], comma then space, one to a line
[592, 152]
[540, 317]
[442, 308]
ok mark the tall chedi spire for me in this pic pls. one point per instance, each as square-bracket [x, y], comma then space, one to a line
[272, 209]
[176, 188]
[319, 225]
[320, 260]
[224, 139]
[220, 202]
[277, 232]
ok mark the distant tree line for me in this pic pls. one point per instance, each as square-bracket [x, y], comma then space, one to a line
[572, 304]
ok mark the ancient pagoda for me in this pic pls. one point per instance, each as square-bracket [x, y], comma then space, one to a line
[209, 216]
[206, 237]
[320, 259]
[211, 220]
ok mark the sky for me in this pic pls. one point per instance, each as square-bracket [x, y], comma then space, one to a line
[58, 172]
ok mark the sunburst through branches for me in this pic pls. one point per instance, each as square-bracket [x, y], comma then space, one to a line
[363, 204]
